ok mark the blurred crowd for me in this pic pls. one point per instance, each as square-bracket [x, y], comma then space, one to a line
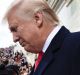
[13, 63]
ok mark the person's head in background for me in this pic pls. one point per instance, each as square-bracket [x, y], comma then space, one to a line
[30, 22]
[8, 70]
[14, 69]
[5, 61]
[24, 68]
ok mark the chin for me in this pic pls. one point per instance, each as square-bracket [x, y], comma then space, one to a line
[31, 50]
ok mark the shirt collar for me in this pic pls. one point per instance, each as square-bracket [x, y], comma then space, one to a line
[50, 37]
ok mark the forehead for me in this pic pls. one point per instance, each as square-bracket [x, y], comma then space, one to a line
[11, 17]
[13, 14]
[17, 16]
[12, 20]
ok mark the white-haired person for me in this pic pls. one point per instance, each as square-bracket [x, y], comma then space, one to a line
[36, 27]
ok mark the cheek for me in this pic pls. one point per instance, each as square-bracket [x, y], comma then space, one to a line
[29, 34]
[24, 35]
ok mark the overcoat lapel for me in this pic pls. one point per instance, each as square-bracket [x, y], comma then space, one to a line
[43, 64]
[49, 55]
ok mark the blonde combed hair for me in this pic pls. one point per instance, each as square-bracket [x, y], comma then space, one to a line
[32, 6]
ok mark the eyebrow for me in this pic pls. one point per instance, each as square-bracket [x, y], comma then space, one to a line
[13, 29]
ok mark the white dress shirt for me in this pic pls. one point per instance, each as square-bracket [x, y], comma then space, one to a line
[50, 37]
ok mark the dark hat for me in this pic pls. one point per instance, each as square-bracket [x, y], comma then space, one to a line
[6, 70]
[14, 68]
[2, 70]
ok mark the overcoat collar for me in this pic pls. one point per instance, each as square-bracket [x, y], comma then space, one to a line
[54, 46]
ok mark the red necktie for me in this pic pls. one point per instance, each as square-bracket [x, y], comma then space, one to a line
[38, 60]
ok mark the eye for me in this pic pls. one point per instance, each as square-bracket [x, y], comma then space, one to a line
[13, 29]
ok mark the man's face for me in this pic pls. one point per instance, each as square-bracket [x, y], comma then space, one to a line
[26, 32]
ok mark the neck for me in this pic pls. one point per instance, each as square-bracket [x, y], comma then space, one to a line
[46, 30]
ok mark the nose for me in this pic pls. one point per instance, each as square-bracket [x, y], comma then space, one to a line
[15, 37]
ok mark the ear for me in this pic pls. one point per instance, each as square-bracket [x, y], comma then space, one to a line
[39, 19]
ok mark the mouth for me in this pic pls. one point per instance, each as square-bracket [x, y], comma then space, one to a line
[22, 44]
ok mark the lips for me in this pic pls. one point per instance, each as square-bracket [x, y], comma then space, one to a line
[22, 44]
